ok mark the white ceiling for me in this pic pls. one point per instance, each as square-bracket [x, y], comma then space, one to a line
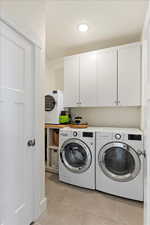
[110, 23]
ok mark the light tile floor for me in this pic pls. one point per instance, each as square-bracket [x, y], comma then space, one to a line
[70, 205]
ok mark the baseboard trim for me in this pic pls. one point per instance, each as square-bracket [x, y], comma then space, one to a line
[43, 205]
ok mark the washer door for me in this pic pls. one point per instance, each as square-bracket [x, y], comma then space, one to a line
[119, 161]
[76, 155]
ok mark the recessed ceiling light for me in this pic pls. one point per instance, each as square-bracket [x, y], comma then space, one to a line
[83, 27]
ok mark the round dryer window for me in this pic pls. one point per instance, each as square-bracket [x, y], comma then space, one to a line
[76, 156]
[119, 161]
[49, 103]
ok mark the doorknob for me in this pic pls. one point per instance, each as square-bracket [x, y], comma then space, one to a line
[31, 143]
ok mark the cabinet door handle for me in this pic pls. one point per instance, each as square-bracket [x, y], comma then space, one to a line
[117, 102]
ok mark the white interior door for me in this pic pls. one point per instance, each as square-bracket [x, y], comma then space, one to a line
[16, 127]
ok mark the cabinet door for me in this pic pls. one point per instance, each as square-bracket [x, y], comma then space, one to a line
[107, 78]
[71, 81]
[88, 79]
[129, 75]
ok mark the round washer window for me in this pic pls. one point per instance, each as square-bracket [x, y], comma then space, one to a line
[76, 156]
[119, 161]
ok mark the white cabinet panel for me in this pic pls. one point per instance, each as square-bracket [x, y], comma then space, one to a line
[88, 79]
[107, 78]
[129, 75]
[71, 81]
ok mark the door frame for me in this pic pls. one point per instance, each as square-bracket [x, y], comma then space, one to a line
[144, 119]
[40, 201]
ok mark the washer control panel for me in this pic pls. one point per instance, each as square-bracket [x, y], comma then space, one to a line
[117, 136]
[75, 134]
[88, 134]
[64, 134]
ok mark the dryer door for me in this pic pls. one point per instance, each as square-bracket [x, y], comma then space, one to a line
[76, 156]
[119, 161]
[49, 103]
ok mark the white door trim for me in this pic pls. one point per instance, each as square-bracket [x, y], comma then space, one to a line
[39, 161]
[30, 36]
[40, 202]
[144, 120]
[146, 22]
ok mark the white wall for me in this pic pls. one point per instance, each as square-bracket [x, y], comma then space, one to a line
[104, 116]
[29, 16]
[54, 74]
[110, 116]
[48, 81]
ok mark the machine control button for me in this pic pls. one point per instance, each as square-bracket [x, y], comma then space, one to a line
[64, 134]
[75, 133]
[118, 136]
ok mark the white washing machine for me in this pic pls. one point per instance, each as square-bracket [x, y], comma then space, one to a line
[53, 106]
[77, 157]
[120, 162]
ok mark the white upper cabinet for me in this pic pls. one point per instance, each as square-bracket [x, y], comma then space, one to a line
[107, 77]
[88, 79]
[71, 81]
[129, 75]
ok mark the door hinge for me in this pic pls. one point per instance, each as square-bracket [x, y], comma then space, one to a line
[143, 153]
[117, 102]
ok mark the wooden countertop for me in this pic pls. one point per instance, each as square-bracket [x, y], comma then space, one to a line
[56, 125]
